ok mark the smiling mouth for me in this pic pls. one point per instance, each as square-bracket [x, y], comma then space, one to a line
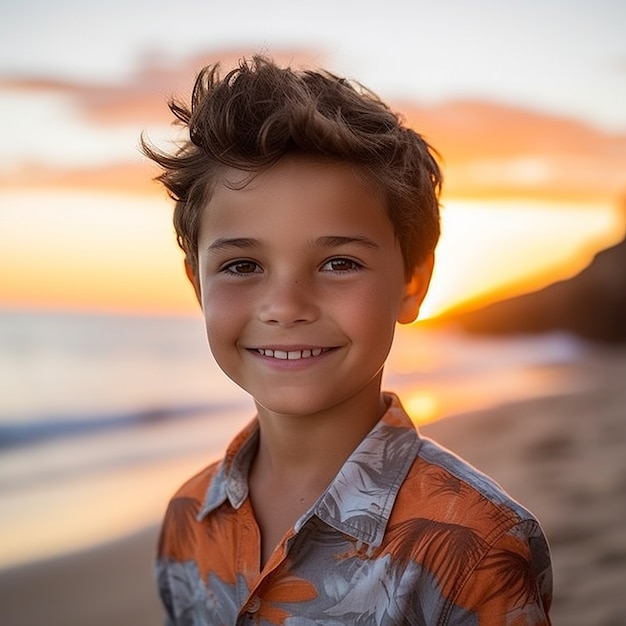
[291, 355]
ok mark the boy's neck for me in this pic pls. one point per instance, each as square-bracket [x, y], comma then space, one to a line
[299, 456]
[314, 447]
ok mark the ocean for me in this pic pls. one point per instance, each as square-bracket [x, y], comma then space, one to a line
[103, 416]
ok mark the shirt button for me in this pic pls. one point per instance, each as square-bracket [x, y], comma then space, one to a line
[253, 605]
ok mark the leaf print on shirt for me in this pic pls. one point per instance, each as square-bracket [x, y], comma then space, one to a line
[190, 604]
[285, 590]
[365, 480]
[448, 484]
[377, 593]
[355, 596]
[181, 516]
[184, 539]
[444, 549]
[457, 502]
[512, 577]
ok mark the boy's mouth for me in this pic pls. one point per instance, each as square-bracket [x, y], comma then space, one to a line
[291, 355]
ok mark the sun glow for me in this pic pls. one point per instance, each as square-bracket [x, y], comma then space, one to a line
[117, 252]
[492, 249]
[91, 251]
[422, 406]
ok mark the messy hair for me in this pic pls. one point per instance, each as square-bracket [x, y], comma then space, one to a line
[259, 112]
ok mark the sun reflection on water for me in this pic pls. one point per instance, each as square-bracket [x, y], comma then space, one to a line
[422, 406]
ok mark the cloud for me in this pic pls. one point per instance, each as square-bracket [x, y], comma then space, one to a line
[66, 133]
[495, 149]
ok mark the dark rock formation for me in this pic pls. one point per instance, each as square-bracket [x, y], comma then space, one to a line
[591, 305]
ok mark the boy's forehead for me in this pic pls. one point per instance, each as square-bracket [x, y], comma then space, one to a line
[298, 190]
[295, 173]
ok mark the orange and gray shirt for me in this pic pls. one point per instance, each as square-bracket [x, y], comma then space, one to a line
[407, 533]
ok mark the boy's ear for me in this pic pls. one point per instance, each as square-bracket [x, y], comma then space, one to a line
[192, 275]
[415, 291]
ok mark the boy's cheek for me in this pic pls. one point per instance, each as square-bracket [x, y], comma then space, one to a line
[224, 313]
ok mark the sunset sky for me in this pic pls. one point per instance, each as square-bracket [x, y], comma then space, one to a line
[526, 101]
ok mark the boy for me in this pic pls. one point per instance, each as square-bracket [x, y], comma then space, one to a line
[309, 216]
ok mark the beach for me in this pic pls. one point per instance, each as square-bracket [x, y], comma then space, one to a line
[561, 455]
[564, 458]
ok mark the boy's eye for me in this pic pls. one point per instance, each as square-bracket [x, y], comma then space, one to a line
[242, 267]
[341, 265]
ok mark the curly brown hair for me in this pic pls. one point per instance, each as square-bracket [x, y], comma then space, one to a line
[259, 112]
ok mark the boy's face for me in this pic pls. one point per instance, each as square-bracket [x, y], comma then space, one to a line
[301, 281]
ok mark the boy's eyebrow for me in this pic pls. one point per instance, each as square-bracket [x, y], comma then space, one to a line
[334, 241]
[329, 241]
[224, 243]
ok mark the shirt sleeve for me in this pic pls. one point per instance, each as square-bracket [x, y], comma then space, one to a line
[512, 583]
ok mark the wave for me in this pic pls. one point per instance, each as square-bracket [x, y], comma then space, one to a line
[15, 433]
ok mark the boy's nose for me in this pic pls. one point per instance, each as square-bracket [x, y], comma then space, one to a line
[288, 302]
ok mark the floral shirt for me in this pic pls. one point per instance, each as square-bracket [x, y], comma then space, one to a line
[407, 533]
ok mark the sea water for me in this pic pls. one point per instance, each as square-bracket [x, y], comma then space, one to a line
[102, 417]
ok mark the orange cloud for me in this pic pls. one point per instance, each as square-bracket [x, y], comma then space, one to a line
[493, 150]
[142, 98]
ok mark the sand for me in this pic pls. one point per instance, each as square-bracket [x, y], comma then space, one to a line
[108, 585]
[564, 457]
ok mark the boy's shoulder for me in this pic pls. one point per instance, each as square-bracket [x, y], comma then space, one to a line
[452, 491]
[188, 500]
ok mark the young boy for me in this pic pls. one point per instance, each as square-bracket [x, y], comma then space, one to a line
[309, 215]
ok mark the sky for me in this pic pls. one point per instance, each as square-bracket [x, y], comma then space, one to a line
[525, 99]
[564, 56]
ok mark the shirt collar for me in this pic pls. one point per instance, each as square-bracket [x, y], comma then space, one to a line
[359, 500]
[231, 480]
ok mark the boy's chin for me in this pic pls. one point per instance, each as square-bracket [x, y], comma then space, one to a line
[284, 407]
[311, 404]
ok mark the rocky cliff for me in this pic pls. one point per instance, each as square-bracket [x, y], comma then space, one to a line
[591, 305]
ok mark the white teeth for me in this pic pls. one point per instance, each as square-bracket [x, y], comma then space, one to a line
[291, 355]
